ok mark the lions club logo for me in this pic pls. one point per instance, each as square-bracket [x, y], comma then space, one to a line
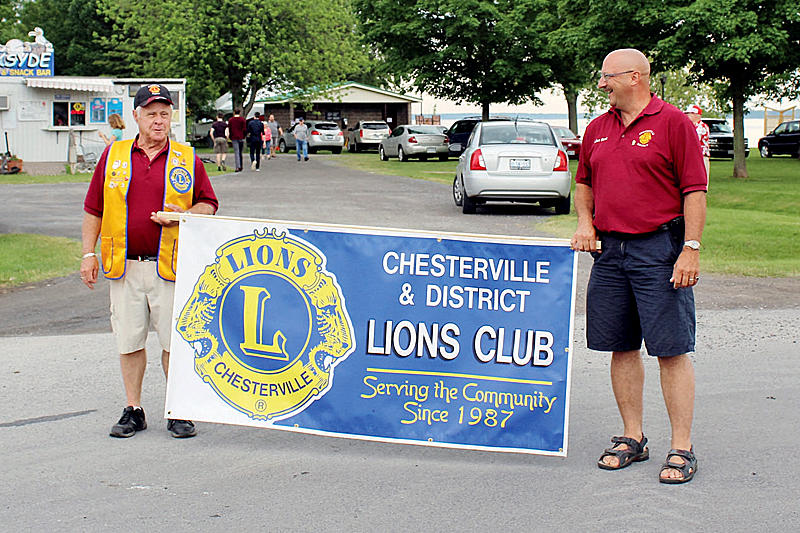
[644, 138]
[268, 325]
[180, 179]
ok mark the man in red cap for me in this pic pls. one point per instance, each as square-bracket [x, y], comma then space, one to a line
[133, 181]
[695, 113]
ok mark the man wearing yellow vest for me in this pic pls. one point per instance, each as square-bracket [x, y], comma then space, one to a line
[133, 181]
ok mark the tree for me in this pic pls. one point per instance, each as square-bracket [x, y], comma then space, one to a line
[463, 50]
[241, 46]
[741, 48]
[745, 48]
[74, 27]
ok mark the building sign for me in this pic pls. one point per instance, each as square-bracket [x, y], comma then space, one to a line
[98, 110]
[449, 340]
[28, 59]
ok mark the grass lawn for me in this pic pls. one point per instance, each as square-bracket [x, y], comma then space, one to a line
[753, 226]
[28, 258]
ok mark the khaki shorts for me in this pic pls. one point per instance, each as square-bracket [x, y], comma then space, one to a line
[220, 145]
[138, 300]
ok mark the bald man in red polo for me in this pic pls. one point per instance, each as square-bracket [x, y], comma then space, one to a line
[641, 191]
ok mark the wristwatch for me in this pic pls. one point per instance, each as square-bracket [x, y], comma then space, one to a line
[694, 245]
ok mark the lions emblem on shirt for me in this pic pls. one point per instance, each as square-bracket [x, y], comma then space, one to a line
[644, 138]
[268, 325]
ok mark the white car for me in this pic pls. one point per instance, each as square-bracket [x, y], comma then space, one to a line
[367, 134]
[513, 161]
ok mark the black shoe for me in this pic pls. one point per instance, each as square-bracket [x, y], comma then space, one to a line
[306, 159]
[132, 420]
[219, 169]
[181, 429]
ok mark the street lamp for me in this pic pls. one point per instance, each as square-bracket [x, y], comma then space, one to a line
[663, 79]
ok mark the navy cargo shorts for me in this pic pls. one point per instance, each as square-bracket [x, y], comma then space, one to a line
[630, 297]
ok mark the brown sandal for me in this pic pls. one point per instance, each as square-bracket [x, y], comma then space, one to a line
[635, 452]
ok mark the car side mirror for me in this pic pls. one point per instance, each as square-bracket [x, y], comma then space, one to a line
[455, 147]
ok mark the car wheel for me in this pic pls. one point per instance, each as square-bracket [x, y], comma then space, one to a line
[401, 155]
[382, 153]
[458, 195]
[468, 205]
[336, 151]
[562, 206]
[764, 150]
[282, 147]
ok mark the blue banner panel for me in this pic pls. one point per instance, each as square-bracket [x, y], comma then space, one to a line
[438, 339]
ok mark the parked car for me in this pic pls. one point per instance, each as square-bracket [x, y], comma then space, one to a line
[367, 134]
[410, 140]
[785, 139]
[460, 130]
[322, 135]
[720, 138]
[201, 134]
[513, 162]
[571, 141]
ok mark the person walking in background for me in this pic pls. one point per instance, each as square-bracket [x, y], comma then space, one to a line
[276, 132]
[267, 138]
[132, 182]
[301, 138]
[220, 134]
[641, 190]
[695, 114]
[117, 125]
[255, 131]
[237, 131]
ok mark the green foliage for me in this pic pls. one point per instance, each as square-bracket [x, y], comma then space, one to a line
[75, 27]
[462, 50]
[241, 46]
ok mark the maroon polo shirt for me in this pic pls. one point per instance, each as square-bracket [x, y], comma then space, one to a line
[237, 126]
[145, 195]
[639, 174]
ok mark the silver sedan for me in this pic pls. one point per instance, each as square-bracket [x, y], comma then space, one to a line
[513, 162]
[408, 141]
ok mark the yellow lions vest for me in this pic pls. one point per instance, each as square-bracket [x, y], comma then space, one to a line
[178, 189]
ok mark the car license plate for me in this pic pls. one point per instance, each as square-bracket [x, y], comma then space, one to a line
[571, 152]
[329, 137]
[730, 152]
[431, 150]
[519, 164]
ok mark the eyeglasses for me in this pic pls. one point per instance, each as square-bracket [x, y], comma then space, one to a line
[605, 76]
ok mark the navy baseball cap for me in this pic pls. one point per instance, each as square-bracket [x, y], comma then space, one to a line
[148, 94]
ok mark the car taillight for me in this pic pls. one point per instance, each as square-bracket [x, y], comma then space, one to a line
[340, 133]
[412, 139]
[476, 161]
[361, 133]
[314, 132]
[446, 140]
[562, 163]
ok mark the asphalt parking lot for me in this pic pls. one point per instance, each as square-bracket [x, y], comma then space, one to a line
[61, 392]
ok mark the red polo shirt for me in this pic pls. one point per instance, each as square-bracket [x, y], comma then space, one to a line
[237, 127]
[146, 195]
[639, 174]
